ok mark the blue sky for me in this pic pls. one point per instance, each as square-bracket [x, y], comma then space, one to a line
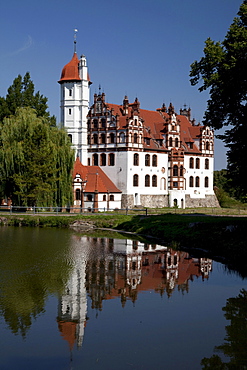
[142, 48]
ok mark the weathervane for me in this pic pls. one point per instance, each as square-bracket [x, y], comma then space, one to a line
[75, 31]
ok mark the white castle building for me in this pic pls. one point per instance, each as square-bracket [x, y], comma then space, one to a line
[154, 158]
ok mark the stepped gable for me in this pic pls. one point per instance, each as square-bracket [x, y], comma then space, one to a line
[70, 71]
[96, 179]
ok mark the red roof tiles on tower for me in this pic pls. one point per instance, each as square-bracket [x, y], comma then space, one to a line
[70, 71]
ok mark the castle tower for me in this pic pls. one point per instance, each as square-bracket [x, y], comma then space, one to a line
[75, 92]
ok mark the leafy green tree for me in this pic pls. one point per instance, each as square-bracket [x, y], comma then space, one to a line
[223, 71]
[36, 161]
[22, 94]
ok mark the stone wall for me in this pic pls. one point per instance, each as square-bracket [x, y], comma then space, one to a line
[127, 201]
[154, 201]
[208, 201]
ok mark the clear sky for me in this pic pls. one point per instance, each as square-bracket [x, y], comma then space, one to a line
[139, 48]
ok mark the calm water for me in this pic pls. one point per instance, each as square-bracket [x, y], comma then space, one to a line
[68, 301]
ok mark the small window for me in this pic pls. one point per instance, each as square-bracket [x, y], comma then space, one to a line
[135, 139]
[135, 180]
[176, 142]
[181, 172]
[191, 162]
[175, 170]
[111, 198]
[191, 181]
[111, 159]
[95, 123]
[147, 180]
[154, 181]
[197, 163]
[147, 160]
[206, 164]
[89, 197]
[95, 160]
[170, 141]
[206, 182]
[175, 184]
[154, 160]
[112, 138]
[103, 122]
[95, 139]
[122, 138]
[104, 198]
[70, 137]
[70, 92]
[197, 182]
[70, 111]
[102, 138]
[78, 194]
[207, 145]
[136, 159]
[103, 159]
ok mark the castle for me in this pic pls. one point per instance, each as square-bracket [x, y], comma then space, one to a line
[127, 156]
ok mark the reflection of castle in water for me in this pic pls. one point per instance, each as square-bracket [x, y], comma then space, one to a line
[107, 268]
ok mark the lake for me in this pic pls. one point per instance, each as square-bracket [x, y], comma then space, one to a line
[70, 301]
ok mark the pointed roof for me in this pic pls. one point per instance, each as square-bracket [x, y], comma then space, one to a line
[96, 179]
[70, 71]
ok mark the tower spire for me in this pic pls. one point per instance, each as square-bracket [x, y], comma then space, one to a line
[75, 31]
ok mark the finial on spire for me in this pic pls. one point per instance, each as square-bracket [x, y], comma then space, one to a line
[75, 31]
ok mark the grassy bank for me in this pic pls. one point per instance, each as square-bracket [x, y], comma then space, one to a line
[223, 238]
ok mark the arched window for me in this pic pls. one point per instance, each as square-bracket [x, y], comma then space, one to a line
[136, 159]
[135, 138]
[181, 172]
[95, 160]
[147, 160]
[191, 182]
[70, 137]
[147, 180]
[191, 162]
[197, 182]
[122, 138]
[111, 159]
[95, 139]
[154, 180]
[206, 182]
[112, 138]
[102, 138]
[197, 163]
[175, 170]
[176, 142]
[135, 180]
[170, 141]
[103, 122]
[103, 159]
[207, 145]
[111, 197]
[104, 198]
[78, 194]
[154, 160]
[206, 164]
[95, 123]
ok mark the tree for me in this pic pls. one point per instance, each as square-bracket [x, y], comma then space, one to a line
[22, 94]
[36, 161]
[223, 71]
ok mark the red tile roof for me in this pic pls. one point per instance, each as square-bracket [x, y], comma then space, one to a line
[95, 177]
[70, 71]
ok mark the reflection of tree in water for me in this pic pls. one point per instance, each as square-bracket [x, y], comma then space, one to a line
[236, 336]
[32, 266]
